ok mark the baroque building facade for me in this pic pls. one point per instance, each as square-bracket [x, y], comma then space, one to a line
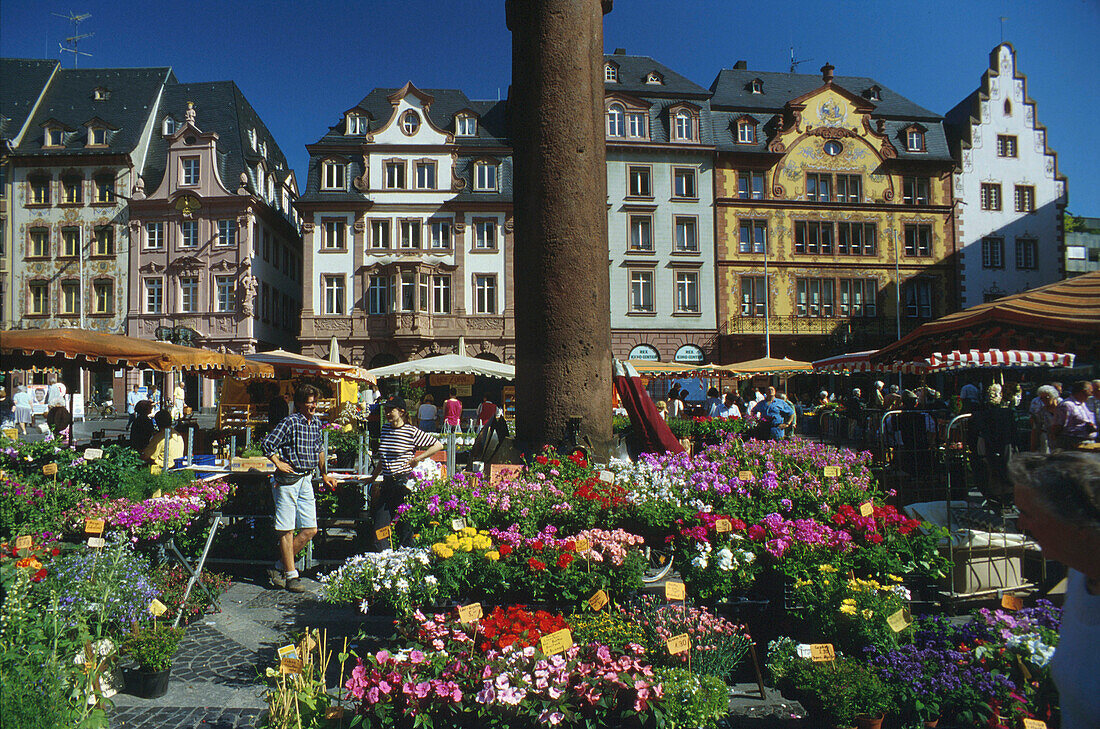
[215, 257]
[407, 222]
[833, 214]
[1010, 226]
[660, 160]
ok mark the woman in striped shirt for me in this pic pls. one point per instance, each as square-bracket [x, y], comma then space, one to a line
[397, 458]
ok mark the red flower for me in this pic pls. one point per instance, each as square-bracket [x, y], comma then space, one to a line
[542, 460]
[505, 550]
[565, 560]
[537, 545]
[874, 538]
[536, 565]
[55, 551]
[39, 575]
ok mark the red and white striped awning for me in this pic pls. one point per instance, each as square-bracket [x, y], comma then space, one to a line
[861, 362]
[999, 358]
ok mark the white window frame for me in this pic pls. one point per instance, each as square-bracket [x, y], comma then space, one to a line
[189, 241]
[682, 242]
[378, 295]
[466, 125]
[381, 234]
[190, 171]
[684, 126]
[335, 175]
[636, 124]
[227, 232]
[357, 124]
[616, 121]
[639, 174]
[687, 292]
[485, 235]
[154, 235]
[441, 235]
[334, 234]
[641, 233]
[225, 294]
[410, 123]
[334, 290]
[485, 293]
[441, 294]
[1027, 255]
[746, 132]
[610, 73]
[689, 174]
[410, 235]
[993, 252]
[393, 174]
[154, 295]
[429, 168]
[640, 296]
[55, 137]
[486, 177]
[189, 294]
[914, 140]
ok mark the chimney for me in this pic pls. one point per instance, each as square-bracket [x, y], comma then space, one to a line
[620, 51]
[827, 72]
[740, 66]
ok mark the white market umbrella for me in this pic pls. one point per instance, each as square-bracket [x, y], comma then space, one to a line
[455, 364]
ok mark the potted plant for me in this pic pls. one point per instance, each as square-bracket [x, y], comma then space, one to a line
[844, 692]
[152, 648]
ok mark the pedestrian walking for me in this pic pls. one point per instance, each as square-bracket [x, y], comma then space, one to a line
[133, 397]
[295, 447]
[452, 411]
[24, 414]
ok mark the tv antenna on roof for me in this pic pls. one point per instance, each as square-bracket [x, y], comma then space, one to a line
[794, 63]
[76, 37]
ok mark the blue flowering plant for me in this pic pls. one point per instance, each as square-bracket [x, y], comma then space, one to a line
[1022, 643]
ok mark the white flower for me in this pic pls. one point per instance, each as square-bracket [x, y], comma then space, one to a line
[701, 561]
[725, 559]
[364, 606]
[431, 580]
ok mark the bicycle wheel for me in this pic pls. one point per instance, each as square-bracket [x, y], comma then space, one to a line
[658, 564]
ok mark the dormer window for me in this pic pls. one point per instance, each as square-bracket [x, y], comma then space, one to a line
[615, 121]
[610, 74]
[485, 177]
[466, 125]
[170, 126]
[101, 94]
[334, 175]
[55, 137]
[683, 128]
[263, 149]
[874, 93]
[252, 138]
[410, 122]
[914, 139]
[756, 86]
[635, 124]
[746, 131]
[654, 78]
[97, 137]
[357, 124]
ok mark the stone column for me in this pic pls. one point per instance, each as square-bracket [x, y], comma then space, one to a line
[563, 317]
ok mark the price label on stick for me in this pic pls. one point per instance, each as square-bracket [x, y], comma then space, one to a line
[50, 469]
[866, 508]
[556, 642]
[334, 712]
[598, 601]
[384, 533]
[1011, 602]
[745, 476]
[97, 542]
[458, 524]
[822, 652]
[582, 545]
[94, 526]
[287, 651]
[832, 471]
[607, 476]
[470, 613]
[290, 665]
[722, 526]
[157, 608]
[92, 454]
[675, 590]
[1034, 724]
[679, 643]
[899, 621]
[23, 542]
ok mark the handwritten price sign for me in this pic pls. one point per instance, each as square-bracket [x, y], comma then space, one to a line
[675, 591]
[607, 476]
[866, 509]
[92, 454]
[745, 476]
[899, 621]
[557, 642]
[97, 542]
[384, 533]
[822, 652]
[832, 471]
[470, 613]
[157, 608]
[1011, 602]
[679, 643]
[458, 524]
[94, 526]
[23, 542]
[722, 526]
[582, 545]
[1034, 724]
[598, 601]
[50, 469]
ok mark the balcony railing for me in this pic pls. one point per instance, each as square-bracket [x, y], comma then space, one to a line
[850, 334]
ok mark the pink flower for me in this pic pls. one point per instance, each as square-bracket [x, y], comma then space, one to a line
[416, 657]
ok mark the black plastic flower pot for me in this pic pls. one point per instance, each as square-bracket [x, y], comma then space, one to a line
[149, 684]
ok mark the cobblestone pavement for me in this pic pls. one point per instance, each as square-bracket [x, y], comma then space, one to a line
[133, 717]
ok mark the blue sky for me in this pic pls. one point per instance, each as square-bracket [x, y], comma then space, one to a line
[302, 63]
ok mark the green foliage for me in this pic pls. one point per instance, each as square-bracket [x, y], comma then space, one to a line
[680, 427]
[171, 580]
[691, 699]
[834, 691]
[608, 627]
[154, 646]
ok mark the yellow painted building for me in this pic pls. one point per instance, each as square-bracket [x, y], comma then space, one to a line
[832, 190]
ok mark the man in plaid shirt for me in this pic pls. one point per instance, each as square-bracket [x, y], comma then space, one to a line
[295, 447]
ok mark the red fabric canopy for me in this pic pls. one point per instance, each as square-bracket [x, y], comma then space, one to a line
[650, 428]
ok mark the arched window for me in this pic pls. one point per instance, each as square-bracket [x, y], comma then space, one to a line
[684, 127]
[615, 125]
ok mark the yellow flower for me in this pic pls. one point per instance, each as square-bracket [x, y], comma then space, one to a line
[825, 582]
[468, 531]
[894, 578]
[826, 568]
[848, 609]
[466, 544]
[452, 541]
[848, 601]
[483, 531]
[492, 556]
[868, 614]
[482, 542]
[433, 523]
[442, 551]
[802, 583]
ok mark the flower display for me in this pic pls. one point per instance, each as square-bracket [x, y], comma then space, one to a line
[395, 578]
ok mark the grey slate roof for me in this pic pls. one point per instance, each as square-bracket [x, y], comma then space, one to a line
[732, 98]
[70, 100]
[633, 71]
[731, 91]
[21, 83]
[219, 107]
